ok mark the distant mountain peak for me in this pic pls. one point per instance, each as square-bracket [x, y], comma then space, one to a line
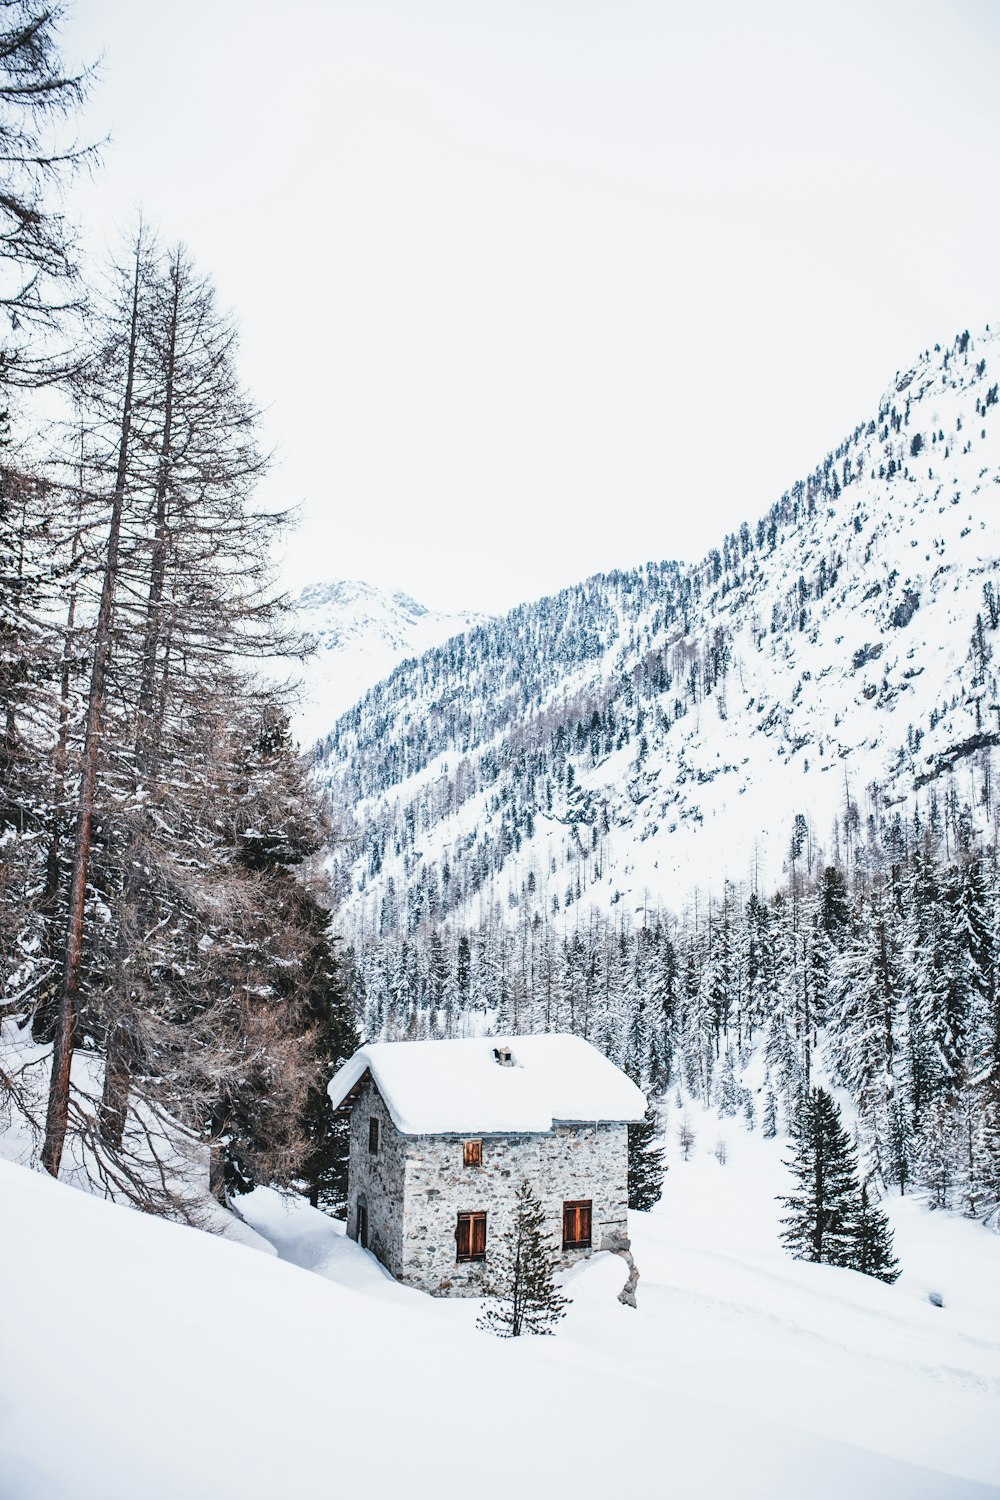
[360, 632]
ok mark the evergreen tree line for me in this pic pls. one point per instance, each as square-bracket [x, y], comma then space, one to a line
[889, 981]
[164, 923]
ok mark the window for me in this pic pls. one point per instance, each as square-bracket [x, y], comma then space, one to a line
[373, 1137]
[470, 1237]
[576, 1225]
[472, 1154]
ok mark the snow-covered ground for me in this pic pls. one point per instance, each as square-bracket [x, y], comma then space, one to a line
[138, 1358]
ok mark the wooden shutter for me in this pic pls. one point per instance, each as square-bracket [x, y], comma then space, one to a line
[577, 1217]
[472, 1154]
[470, 1237]
[373, 1136]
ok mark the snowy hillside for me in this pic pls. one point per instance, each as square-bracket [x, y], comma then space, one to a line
[828, 669]
[154, 1360]
[360, 633]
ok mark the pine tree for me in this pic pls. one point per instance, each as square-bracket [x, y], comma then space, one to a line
[820, 1225]
[645, 1163]
[523, 1284]
[328, 1013]
[872, 1248]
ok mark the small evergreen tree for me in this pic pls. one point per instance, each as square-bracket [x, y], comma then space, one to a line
[821, 1223]
[872, 1251]
[523, 1283]
[728, 1098]
[645, 1163]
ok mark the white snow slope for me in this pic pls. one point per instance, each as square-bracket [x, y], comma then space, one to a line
[360, 633]
[139, 1358]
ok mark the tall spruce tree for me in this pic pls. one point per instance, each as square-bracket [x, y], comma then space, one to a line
[645, 1163]
[522, 1275]
[821, 1221]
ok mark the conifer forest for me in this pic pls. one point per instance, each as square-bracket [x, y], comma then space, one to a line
[162, 899]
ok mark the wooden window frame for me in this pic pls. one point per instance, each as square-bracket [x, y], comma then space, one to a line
[472, 1153]
[373, 1136]
[470, 1246]
[578, 1224]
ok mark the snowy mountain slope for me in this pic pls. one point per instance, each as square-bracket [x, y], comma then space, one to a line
[214, 1371]
[820, 674]
[360, 633]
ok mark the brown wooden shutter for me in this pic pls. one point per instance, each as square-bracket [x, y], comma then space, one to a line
[577, 1224]
[470, 1237]
[472, 1154]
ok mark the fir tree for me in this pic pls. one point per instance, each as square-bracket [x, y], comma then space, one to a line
[335, 1039]
[523, 1284]
[872, 1249]
[645, 1163]
[821, 1222]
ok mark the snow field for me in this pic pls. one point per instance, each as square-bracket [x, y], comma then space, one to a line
[144, 1359]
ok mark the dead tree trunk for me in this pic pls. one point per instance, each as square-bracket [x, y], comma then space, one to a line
[43, 1020]
[120, 1045]
[62, 1053]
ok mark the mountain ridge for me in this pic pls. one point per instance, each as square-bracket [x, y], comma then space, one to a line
[613, 736]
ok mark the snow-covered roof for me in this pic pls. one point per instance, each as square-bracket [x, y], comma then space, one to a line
[436, 1088]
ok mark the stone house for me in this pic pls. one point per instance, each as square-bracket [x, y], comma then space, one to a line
[443, 1133]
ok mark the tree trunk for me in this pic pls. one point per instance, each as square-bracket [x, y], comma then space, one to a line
[43, 1020]
[117, 1083]
[62, 1052]
[120, 1053]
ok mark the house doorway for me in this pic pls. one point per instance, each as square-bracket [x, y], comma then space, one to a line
[362, 1234]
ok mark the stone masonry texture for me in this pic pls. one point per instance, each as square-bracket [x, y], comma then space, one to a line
[416, 1187]
[377, 1180]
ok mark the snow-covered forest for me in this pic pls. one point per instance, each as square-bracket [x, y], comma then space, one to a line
[890, 987]
[162, 902]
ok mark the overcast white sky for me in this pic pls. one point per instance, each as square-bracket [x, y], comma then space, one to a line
[533, 288]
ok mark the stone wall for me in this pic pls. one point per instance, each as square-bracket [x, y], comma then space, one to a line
[377, 1179]
[571, 1162]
